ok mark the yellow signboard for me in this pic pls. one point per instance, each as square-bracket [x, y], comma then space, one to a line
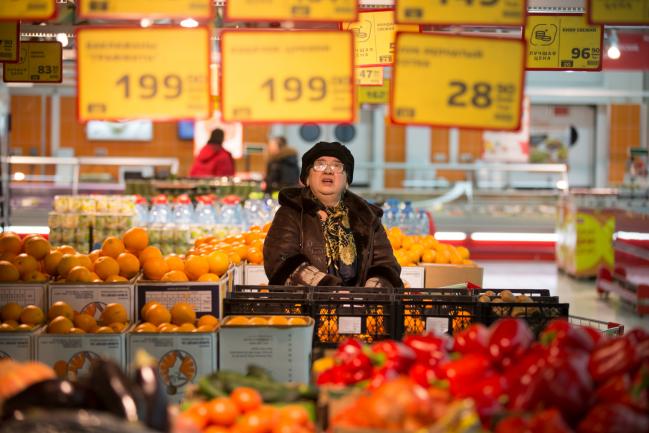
[374, 37]
[279, 76]
[372, 76]
[375, 94]
[563, 42]
[629, 12]
[458, 81]
[9, 38]
[137, 9]
[27, 9]
[478, 12]
[40, 62]
[294, 10]
[155, 73]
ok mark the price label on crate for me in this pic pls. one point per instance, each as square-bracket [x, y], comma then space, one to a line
[9, 37]
[157, 73]
[372, 76]
[622, 12]
[461, 81]
[137, 9]
[374, 34]
[467, 12]
[27, 9]
[287, 76]
[374, 94]
[39, 62]
[349, 325]
[293, 10]
[563, 42]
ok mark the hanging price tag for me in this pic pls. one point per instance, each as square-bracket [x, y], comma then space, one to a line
[278, 76]
[372, 76]
[374, 94]
[624, 12]
[467, 12]
[563, 42]
[155, 73]
[9, 37]
[27, 9]
[137, 9]
[40, 62]
[374, 37]
[293, 10]
[458, 81]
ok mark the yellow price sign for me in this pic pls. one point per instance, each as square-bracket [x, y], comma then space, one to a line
[374, 95]
[154, 73]
[458, 81]
[9, 41]
[374, 34]
[624, 12]
[280, 76]
[294, 10]
[372, 76]
[563, 42]
[466, 12]
[40, 62]
[27, 9]
[137, 9]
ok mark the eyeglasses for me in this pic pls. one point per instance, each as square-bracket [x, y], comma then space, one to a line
[336, 167]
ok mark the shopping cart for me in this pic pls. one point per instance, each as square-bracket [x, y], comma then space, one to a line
[607, 328]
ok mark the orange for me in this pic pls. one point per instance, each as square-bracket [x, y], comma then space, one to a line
[136, 239]
[94, 255]
[463, 251]
[209, 277]
[61, 369]
[145, 327]
[8, 272]
[175, 263]
[157, 315]
[85, 261]
[85, 322]
[25, 263]
[68, 261]
[74, 330]
[114, 313]
[23, 327]
[155, 268]
[5, 327]
[10, 243]
[278, 321]
[112, 247]
[60, 325]
[104, 330]
[242, 251]
[234, 258]
[60, 308]
[167, 327]
[129, 265]
[37, 247]
[218, 262]
[182, 312]
[429, 256]
[117, 326]
[296, 321]
[255, 256]
[66, 249]
[255, 320]
[51, 261]
[246, 399]
[146, 307]
[195, 266]
[35, 277]
[178, 276]
[208, 320]
[266, 227]
[149, 253]
[32, 315]
[115, 279]
[79, 274]
[222, 411]
[238, 320]
[106, 266]
[186, 327]
[11, 311]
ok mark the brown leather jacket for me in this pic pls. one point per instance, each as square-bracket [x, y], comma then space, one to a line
[295, 238]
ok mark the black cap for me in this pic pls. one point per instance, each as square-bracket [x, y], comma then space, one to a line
[333, 149]
[217, 136]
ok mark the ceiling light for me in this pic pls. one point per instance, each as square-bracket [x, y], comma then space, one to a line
[63, 38]
[613, 46]
[189, 22]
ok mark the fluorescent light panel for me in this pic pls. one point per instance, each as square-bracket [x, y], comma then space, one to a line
[514, 237]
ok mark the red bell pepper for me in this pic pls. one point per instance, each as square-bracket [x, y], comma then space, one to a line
[463, 373]
[347, 350]
[422, 374]
[637, 335]
[560, 332]
[381, 375]
[429, 349]
[524, 379]
[474, 339]
[613, 418]
[549, 421]
[513, 424]
[509, 340]
[632, 391]
[398, 356]
[611, 357]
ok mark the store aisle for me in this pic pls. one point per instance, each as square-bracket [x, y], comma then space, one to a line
[580, 294]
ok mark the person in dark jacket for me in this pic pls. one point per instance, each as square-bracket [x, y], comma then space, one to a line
[282, 168]
[325, 235]
[213, 160]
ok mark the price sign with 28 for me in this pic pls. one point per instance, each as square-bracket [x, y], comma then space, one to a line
[468, 12]
[158, 73]
[40, 62]
[296, 76]
[470, 82]
[294, 10]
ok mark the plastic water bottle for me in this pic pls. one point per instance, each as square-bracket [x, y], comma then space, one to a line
[158, 219]
[183, 218]
[231, 218]
[204, 217]
[255, 210]
[422, 222]
[406, 218]
[141, 217]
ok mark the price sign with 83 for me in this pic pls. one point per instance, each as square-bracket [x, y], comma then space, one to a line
[39, 62]
[470, 82]
[297, 76]
[158, 73]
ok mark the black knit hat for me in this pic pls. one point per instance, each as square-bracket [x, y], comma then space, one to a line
[333, 149]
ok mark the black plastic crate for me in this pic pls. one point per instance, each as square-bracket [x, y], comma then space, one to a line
[352, 312]
[528, 292]
[433, 292]
[267, 300]
[536, 314]
[420, 313]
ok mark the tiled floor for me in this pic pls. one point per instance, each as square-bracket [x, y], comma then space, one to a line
[580, 294]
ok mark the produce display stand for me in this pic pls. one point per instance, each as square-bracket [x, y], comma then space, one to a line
[24, 294]
[92, 298]
[18, 345]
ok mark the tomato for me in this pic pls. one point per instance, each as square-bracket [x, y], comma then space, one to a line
[246, 399]
[222, 411]
[294, 413]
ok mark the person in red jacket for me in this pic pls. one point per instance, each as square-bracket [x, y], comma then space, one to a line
[213, 160]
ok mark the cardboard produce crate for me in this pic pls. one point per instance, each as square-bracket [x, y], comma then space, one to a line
[436, 276]
[24, 294]
[92, 298]
[283, 350]
[18, 345]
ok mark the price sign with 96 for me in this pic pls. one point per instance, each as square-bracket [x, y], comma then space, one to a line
[39, 62]
[291, 77]
[158, 73]
[467, 12]
[458, 81]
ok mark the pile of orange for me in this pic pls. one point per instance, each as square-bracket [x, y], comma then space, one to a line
[63, 319]
[410, 250]
[16, 318]
[156, 317]
[23, 259]
[244, 412]
[266, 320]
[247, 246]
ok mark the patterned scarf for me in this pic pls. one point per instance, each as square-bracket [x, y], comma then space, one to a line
[340, 247]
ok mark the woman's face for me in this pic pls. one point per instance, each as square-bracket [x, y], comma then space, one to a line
[327, 185]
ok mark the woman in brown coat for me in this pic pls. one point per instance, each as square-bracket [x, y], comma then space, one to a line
[324, 235]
